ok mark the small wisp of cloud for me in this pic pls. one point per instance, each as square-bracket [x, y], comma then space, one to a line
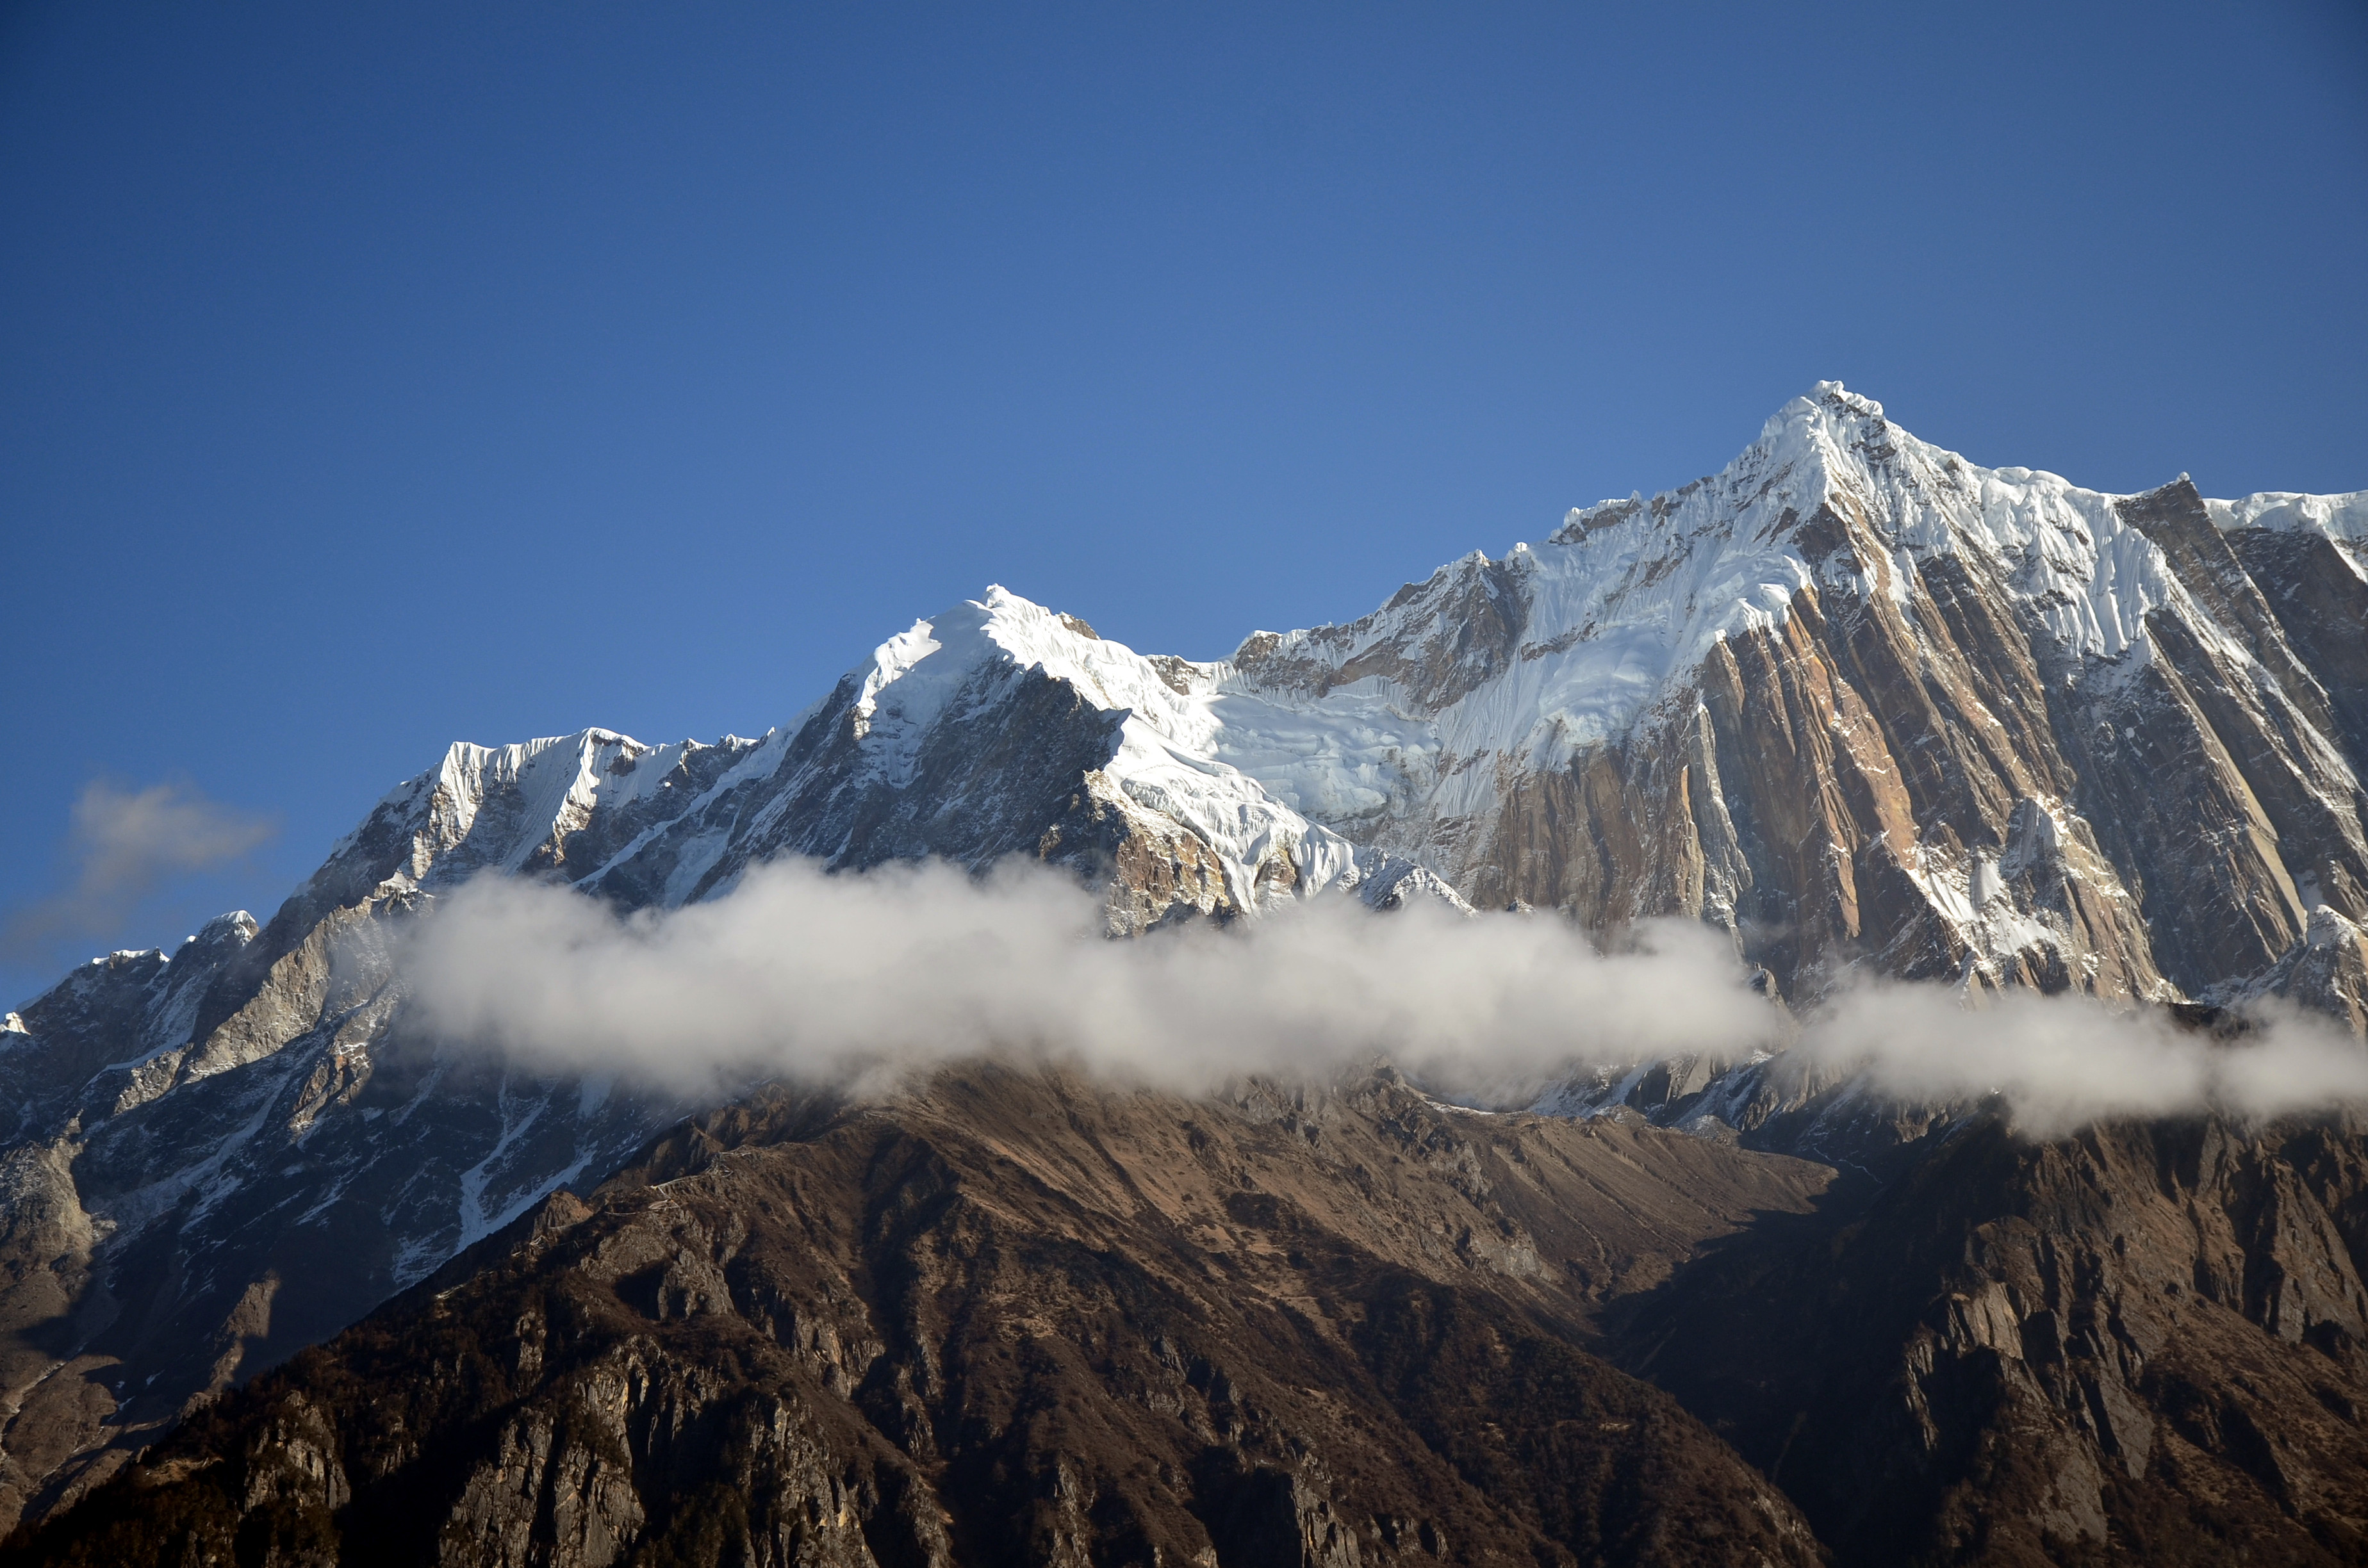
[123, 845]
[819, 978]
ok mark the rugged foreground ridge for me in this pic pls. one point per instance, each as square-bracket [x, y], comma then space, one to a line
[1854, 702]
[1012, 1318]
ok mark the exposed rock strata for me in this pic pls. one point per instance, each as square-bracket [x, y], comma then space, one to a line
[1012, 1317]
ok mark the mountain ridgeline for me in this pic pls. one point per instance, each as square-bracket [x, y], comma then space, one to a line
[285, 1278]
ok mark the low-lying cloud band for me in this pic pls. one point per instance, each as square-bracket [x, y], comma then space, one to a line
[805, 975]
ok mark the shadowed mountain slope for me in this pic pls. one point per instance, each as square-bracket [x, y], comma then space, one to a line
[1013, 1318]
[2143, 1343]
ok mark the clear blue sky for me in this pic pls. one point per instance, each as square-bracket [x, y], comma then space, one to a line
[373, 377]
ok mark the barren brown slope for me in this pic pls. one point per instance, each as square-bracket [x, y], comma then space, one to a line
[2144, 1343]
[1014, 1318]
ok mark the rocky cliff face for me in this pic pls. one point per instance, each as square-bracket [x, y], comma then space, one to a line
[1853, 700]
[223, 1155]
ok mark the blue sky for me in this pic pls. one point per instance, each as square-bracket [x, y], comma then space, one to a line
[372, 377]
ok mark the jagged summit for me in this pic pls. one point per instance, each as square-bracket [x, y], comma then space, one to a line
[1480, 719]
[1311, 759]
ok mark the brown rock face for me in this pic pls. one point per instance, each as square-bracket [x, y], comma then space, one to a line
[2160, 835]
[1013, 1318]
[2143, 1344]
[1148, 867]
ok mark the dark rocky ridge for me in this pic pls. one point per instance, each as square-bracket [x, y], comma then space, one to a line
[1012, 1318]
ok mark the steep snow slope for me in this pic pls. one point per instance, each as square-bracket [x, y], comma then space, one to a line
[2342, 520]
[1628, 597]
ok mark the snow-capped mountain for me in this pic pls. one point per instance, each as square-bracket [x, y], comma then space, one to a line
[1853, 700]
[1860, 700]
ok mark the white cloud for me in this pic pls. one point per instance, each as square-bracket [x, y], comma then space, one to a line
[817, 977]
[820, 976]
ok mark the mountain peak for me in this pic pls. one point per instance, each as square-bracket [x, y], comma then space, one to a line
[1826, 401]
